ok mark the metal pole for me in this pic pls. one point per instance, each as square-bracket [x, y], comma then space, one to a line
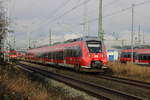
[139, 35]
[143, 39]
[132, 34]
[86, 23]
[100, 24]
[14, 42]
[28, 40]
[122, 43]
[29, 43]
[50, 37]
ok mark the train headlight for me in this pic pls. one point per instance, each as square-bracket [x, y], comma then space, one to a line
[96, 56]
[102, 55]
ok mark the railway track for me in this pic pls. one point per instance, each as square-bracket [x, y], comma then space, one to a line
[136, 83]
[89, 87]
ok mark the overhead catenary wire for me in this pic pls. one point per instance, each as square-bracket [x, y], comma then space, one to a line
[51, 14]
[62, 5]
[114, 1]
[75, 7]
[62, 15]
[120, 11]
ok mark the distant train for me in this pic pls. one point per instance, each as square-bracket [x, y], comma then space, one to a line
[81, 54]
[13, 54]
[140, 56]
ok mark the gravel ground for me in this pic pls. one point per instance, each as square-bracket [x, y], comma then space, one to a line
[111, 84]
[68, 91]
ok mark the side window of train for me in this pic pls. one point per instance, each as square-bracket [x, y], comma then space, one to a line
[44, 55]
[50, 55]
[72, 51]
[134, 55]
[149, 57]
[125, 55]
[59, 55]
[53, 55]
[141, 57]
[144, 57]
[122, 54]
[68, 52]
[39, 56]
[129, 55]
[79, 51]
[138, 57]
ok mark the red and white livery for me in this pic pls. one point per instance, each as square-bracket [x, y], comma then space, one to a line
[140, 56]
[82, 54]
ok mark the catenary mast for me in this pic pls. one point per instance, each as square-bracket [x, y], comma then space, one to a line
[100, 22]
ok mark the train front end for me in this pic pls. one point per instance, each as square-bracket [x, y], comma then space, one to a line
[94, 55]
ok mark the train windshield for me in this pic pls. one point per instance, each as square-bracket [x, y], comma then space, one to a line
[94, 47]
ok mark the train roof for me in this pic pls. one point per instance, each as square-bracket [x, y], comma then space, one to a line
[46, 48]
[141, 51]
[85, 38]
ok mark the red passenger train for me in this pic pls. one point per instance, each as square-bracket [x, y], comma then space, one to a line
[12, 54]
[140, 56]
[82, 54]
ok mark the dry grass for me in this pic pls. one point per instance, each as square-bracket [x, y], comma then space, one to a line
[18, 85]
[131, 71]
[15, 85]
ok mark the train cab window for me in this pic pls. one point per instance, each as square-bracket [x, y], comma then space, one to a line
[94, 47]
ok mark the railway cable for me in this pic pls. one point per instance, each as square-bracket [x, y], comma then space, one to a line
[114, 13]
[108, 15]
[110, 3]
[62, 15]
[54, 12]
[120, 11]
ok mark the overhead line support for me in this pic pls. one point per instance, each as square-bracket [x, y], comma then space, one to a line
[132, 34]
[100, 24]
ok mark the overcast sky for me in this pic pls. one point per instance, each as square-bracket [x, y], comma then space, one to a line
[37, 17]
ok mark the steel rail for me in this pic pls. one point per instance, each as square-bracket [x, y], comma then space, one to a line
[91, 88]
[136, 83]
